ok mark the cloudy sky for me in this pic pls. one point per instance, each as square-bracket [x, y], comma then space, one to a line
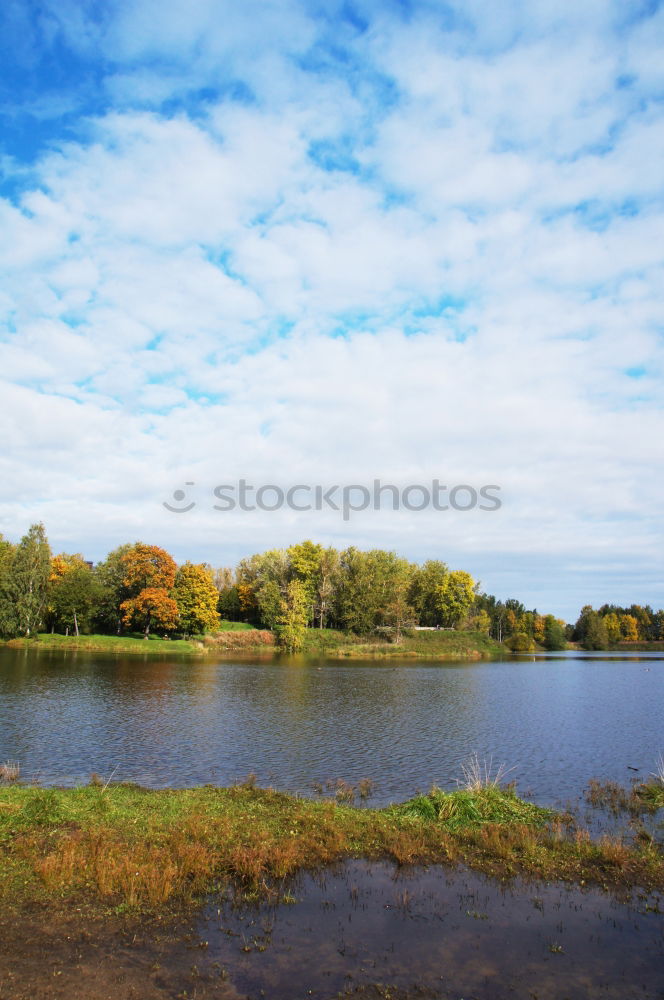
[317, 242]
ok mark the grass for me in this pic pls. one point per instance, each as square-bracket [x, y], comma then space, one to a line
[434, 645]
[120, 847]
[641, 798]
[240, 636]
[133, 643]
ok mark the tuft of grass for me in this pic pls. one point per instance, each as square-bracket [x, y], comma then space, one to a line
[479, 774]
[645, 797]
[10, 771]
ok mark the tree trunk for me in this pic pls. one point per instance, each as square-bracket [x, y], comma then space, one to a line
[76, 624]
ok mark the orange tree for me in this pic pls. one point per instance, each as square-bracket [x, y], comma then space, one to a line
[149, 575]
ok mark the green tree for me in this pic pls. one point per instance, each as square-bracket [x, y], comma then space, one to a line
[26, 583]
[112, 590]
[269, 599]
[196, 597]
[590, 629]
[367, 586]
[7, 616]
[424, 590]
[291, 624]
[554, 633]
[328, 570]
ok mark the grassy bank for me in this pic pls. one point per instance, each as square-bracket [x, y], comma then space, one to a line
[240, 637]
[435, 645]
[122, 847]
[107, 644]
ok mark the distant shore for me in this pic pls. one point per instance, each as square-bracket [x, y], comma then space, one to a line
[434, 645]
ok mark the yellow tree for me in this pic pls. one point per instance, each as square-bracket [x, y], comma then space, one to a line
[455, 597]
[196, 597]
[149, 578]
[612, 622]
[291, 625]
[629, 628]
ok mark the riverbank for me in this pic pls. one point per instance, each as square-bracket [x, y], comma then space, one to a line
[237, 637]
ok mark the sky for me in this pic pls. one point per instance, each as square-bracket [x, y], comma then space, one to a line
[308, 242]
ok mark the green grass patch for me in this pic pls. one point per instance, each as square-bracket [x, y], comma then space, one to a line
[134, 643]
[462, 809]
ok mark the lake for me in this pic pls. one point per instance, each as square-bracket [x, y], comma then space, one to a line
[554, 721]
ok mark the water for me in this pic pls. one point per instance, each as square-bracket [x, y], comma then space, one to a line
[435, 933]
[556, 721]
[367, 929]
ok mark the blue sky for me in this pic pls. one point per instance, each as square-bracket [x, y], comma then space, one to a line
[327, 242]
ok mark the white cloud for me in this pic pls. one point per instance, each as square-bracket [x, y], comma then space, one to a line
[192, 296]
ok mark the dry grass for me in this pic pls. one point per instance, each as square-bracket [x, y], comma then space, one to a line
[644, 797]
[10, 771]
[479, 774]
[248, 639]
[658, 773]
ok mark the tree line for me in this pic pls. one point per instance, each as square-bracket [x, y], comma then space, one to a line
[139, 587]
[612, 624]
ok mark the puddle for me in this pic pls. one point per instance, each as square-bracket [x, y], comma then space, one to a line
[436, 933]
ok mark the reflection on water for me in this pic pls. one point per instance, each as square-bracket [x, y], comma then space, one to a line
[437, 934]
[555, 721]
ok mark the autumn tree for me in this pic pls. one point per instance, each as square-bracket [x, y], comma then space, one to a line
[455, 597]
[149, 578]
[629, 628]
[612, 625]
[196, 597]
[480, 622]
[291, 624]
[398, 614]
[73, 593]
[305, 566]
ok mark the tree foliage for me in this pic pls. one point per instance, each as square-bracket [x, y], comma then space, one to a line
[291, 624]
[149, 578]
[196, 597]
[25, 577]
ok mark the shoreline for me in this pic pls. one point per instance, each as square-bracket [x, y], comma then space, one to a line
[459, 646]
[105, 887]
[125, 847]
